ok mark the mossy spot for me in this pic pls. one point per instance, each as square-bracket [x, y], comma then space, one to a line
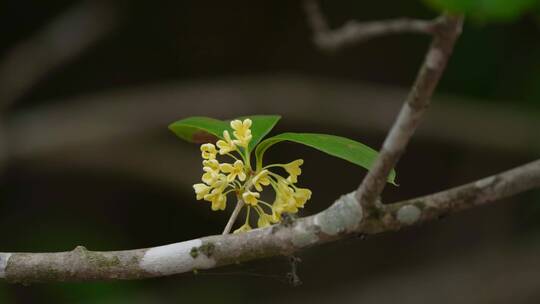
[99, 259]
[207, 249]
[419, 204]
[194, 252]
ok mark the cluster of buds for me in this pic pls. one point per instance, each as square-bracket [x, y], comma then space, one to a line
[238, 177]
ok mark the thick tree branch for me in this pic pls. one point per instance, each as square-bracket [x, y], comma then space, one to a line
[445, 36]
[344, 218]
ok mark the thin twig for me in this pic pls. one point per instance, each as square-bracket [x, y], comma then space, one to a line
[315, 17]
[445, 30]
[355, 32]
[234, 215]
[411, 113]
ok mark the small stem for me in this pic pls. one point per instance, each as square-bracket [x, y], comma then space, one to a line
[229, 154]
[233, 217]
[247, 158]
[247, 215]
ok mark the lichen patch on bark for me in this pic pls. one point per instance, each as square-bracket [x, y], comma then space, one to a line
[343, 216]
[408, 214]
[176, 258]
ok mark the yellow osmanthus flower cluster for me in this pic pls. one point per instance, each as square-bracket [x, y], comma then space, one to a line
[220, 179]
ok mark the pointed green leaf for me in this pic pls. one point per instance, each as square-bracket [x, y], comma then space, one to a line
[205, 129]
[262, 125]
[341, 147]
[199, 129]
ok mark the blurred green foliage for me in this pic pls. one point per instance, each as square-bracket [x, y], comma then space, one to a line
[487, 10]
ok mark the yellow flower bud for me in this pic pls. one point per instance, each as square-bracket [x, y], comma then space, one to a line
[211, 169]
[227, 145]
[211, 165]
[210, 177]
[208, 151]
[201, 190]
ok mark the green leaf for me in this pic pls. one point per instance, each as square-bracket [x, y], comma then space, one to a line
[262, 125]
[199, 129]
[341, 147]
[486, 10]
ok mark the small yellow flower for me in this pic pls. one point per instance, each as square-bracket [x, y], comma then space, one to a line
[208, 151]
[277, 210]
[260, 180]
[234, 170]
[301, 195]
[265, 220]
[211, 168]
[227, 145]
[217, 198]
[242, 131]
[293, 168]
[291, 207]
[283, 188]
[251, 198]
[278, 207]
[211, 165]
[285, 198]
[245, 228]
[210, 177]
[277, 216]
[201, 190]
[219, 203]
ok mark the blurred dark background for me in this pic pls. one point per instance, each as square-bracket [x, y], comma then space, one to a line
[87, 89]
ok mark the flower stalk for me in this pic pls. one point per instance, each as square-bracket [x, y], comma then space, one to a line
[234, 215]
